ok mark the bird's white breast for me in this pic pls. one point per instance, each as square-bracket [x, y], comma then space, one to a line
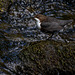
[38, 23]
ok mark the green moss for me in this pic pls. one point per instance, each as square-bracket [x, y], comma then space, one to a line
[4, 4]
[49, 54]
[4, 25]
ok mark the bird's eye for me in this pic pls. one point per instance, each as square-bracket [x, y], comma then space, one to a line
[37, 16]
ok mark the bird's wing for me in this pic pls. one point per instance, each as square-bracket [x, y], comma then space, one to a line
[65, 22]
[45, 24]
[51, 26]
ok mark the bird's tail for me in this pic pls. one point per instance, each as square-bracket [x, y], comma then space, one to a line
[66, 22]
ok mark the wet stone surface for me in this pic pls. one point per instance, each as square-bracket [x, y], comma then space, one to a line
[25, 50]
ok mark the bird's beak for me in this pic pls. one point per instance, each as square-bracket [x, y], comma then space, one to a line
[33, 18]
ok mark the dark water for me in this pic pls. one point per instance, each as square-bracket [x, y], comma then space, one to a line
[17, 29]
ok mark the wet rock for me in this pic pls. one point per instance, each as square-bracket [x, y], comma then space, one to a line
[47, 57]
[4, 5]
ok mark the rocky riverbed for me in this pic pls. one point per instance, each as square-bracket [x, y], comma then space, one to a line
[25, 50]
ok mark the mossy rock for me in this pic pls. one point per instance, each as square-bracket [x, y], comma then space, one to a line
[4, 4]
[47, 57]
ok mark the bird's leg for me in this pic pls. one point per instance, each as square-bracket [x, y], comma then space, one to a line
[50, 37]
[53, 35]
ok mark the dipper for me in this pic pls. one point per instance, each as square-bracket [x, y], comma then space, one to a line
[50, 24]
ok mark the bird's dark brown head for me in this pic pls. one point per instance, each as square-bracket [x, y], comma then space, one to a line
[41, 17]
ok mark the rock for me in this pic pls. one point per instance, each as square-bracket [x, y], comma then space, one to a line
[47, 58]
[4, 5]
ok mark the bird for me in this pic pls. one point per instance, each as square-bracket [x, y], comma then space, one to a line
[49, 24]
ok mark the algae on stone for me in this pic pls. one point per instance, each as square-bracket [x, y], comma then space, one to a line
[47, 56]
